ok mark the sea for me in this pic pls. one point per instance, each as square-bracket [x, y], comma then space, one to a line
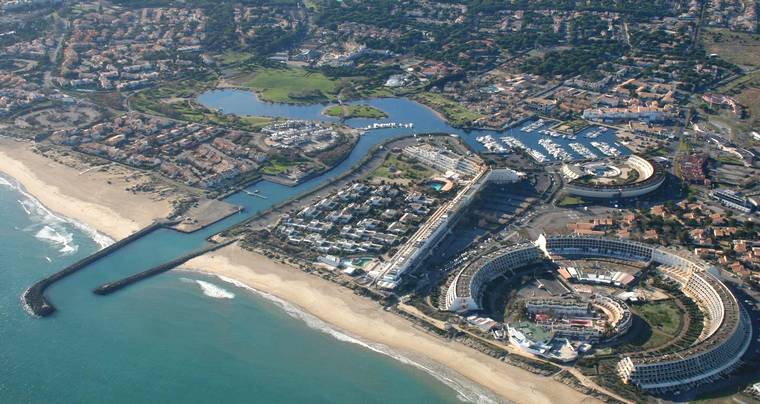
[178, 338]
[186, 337]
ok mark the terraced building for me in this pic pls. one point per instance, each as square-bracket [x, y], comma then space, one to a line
[727, 330]
[598, 180]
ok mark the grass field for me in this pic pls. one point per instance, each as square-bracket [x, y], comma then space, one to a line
[396, 170]
[277, 166]
[569, 200]
[355, 111]
[740, 48]
[664, 317]
[231, 57]
[746, 90]
[293, 85]
[454, 112]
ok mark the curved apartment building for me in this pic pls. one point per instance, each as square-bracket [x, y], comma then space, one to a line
[651, 177]
[725, 336]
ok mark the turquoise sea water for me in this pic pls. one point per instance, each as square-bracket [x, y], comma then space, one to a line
[183, 337]
[180, 337]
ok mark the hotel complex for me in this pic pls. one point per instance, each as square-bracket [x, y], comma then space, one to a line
[650, 177]
[724, 339]
[440, 223]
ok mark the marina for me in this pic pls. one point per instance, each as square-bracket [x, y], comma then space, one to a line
[490, 144]
[555, 150]
[516, 144]
[533, 125]
[595, 133]
[606, 149]
[388, 125]
[583, 151]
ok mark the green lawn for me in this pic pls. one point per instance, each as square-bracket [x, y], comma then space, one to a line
[403, 170]
[354, 111]
[664, 316]
[231, 57]
[569, 200]
[293, 85]
[279, 165]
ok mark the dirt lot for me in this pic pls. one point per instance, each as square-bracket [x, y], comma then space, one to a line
[58, 118]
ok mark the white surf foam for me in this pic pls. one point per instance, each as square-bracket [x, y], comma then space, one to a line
[61, 239]
[466, 390]
[54, 228]
[211, 290]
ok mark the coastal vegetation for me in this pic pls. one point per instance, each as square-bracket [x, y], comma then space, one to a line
[176, 100]
[354, 111]
[453, 111]
[572, 127]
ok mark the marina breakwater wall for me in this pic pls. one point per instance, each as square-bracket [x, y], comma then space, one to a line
[111, 287]
[34, 297]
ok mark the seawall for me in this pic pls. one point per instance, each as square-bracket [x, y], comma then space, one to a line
[111, 287]
[34, 297]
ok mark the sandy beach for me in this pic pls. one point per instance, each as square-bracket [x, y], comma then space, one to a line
[364, 319]
[99, 199]
[96, 198]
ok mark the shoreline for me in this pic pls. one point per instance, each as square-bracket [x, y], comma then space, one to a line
[94, 198]
[365, 321]
[358, 318]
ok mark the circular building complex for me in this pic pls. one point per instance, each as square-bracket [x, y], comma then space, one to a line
[725, 336]
[628, 178]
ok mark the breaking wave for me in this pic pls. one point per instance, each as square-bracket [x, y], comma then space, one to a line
[51, 228]
[211, 290]
[466, 390]
[60, 239]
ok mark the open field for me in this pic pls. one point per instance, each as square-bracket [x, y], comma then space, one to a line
[58, 117]
[570, 200]
[663, 317]
[454, 112]
[399, 171]
[740, 48]
[354, 111]
[232, 57]
[292, 85]
[746, 90]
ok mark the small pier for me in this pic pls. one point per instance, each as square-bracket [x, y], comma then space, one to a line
[254, 193]
[111, 287]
